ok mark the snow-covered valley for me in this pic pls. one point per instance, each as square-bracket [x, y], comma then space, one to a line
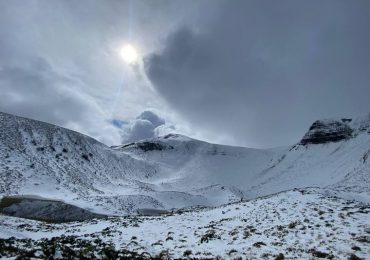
[212, 195]
[299, 224]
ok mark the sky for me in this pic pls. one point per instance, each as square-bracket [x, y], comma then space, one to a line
[251, 73]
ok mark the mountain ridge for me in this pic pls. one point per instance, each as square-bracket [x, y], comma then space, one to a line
[171, 171]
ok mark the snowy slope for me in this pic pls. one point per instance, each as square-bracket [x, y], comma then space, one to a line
[193, 164]
[37, 158]
[342, 164]
[331, 154]
[175, 171]
[299, 224]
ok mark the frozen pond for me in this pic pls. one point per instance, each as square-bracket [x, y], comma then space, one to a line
[38, 208]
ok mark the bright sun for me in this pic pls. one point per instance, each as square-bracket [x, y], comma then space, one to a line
[129, 54]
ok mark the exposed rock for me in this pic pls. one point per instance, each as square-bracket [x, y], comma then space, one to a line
[346, 120]
[151, 146]
[147, 146]
[326, 131]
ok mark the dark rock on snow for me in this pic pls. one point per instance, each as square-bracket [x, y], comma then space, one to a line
[326, 131]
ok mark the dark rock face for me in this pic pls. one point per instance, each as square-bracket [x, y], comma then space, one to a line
[346, 120]
[151, 146]
[171, 136]
[326, 131]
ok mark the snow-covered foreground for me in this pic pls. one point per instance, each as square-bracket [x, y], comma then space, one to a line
[297, 224]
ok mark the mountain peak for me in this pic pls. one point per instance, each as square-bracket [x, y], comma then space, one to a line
[334, 130]
[327, 131]
[165, 142]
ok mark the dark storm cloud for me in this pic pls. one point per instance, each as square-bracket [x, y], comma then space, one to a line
[262, 71]
[59, 60]
[249, 72]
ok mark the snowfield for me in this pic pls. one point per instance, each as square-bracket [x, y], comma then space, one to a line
[299, 224]
[303, 201]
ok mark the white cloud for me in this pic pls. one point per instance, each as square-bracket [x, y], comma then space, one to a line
[152, 118]
[144, 126]
[148, 125]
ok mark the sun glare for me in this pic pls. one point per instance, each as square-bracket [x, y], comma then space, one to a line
[129, 54]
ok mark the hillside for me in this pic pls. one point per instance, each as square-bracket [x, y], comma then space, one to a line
[333, 154]
[55, 163]
[299, 224]
[175, 171]
[199, 200]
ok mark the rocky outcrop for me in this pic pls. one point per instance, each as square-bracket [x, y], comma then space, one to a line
[149, 146]
[326, 131]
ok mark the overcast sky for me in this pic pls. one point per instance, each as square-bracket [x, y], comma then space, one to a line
[250, 73]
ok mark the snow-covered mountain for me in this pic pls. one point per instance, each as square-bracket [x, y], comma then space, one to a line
[332, 154]
[175, 171]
